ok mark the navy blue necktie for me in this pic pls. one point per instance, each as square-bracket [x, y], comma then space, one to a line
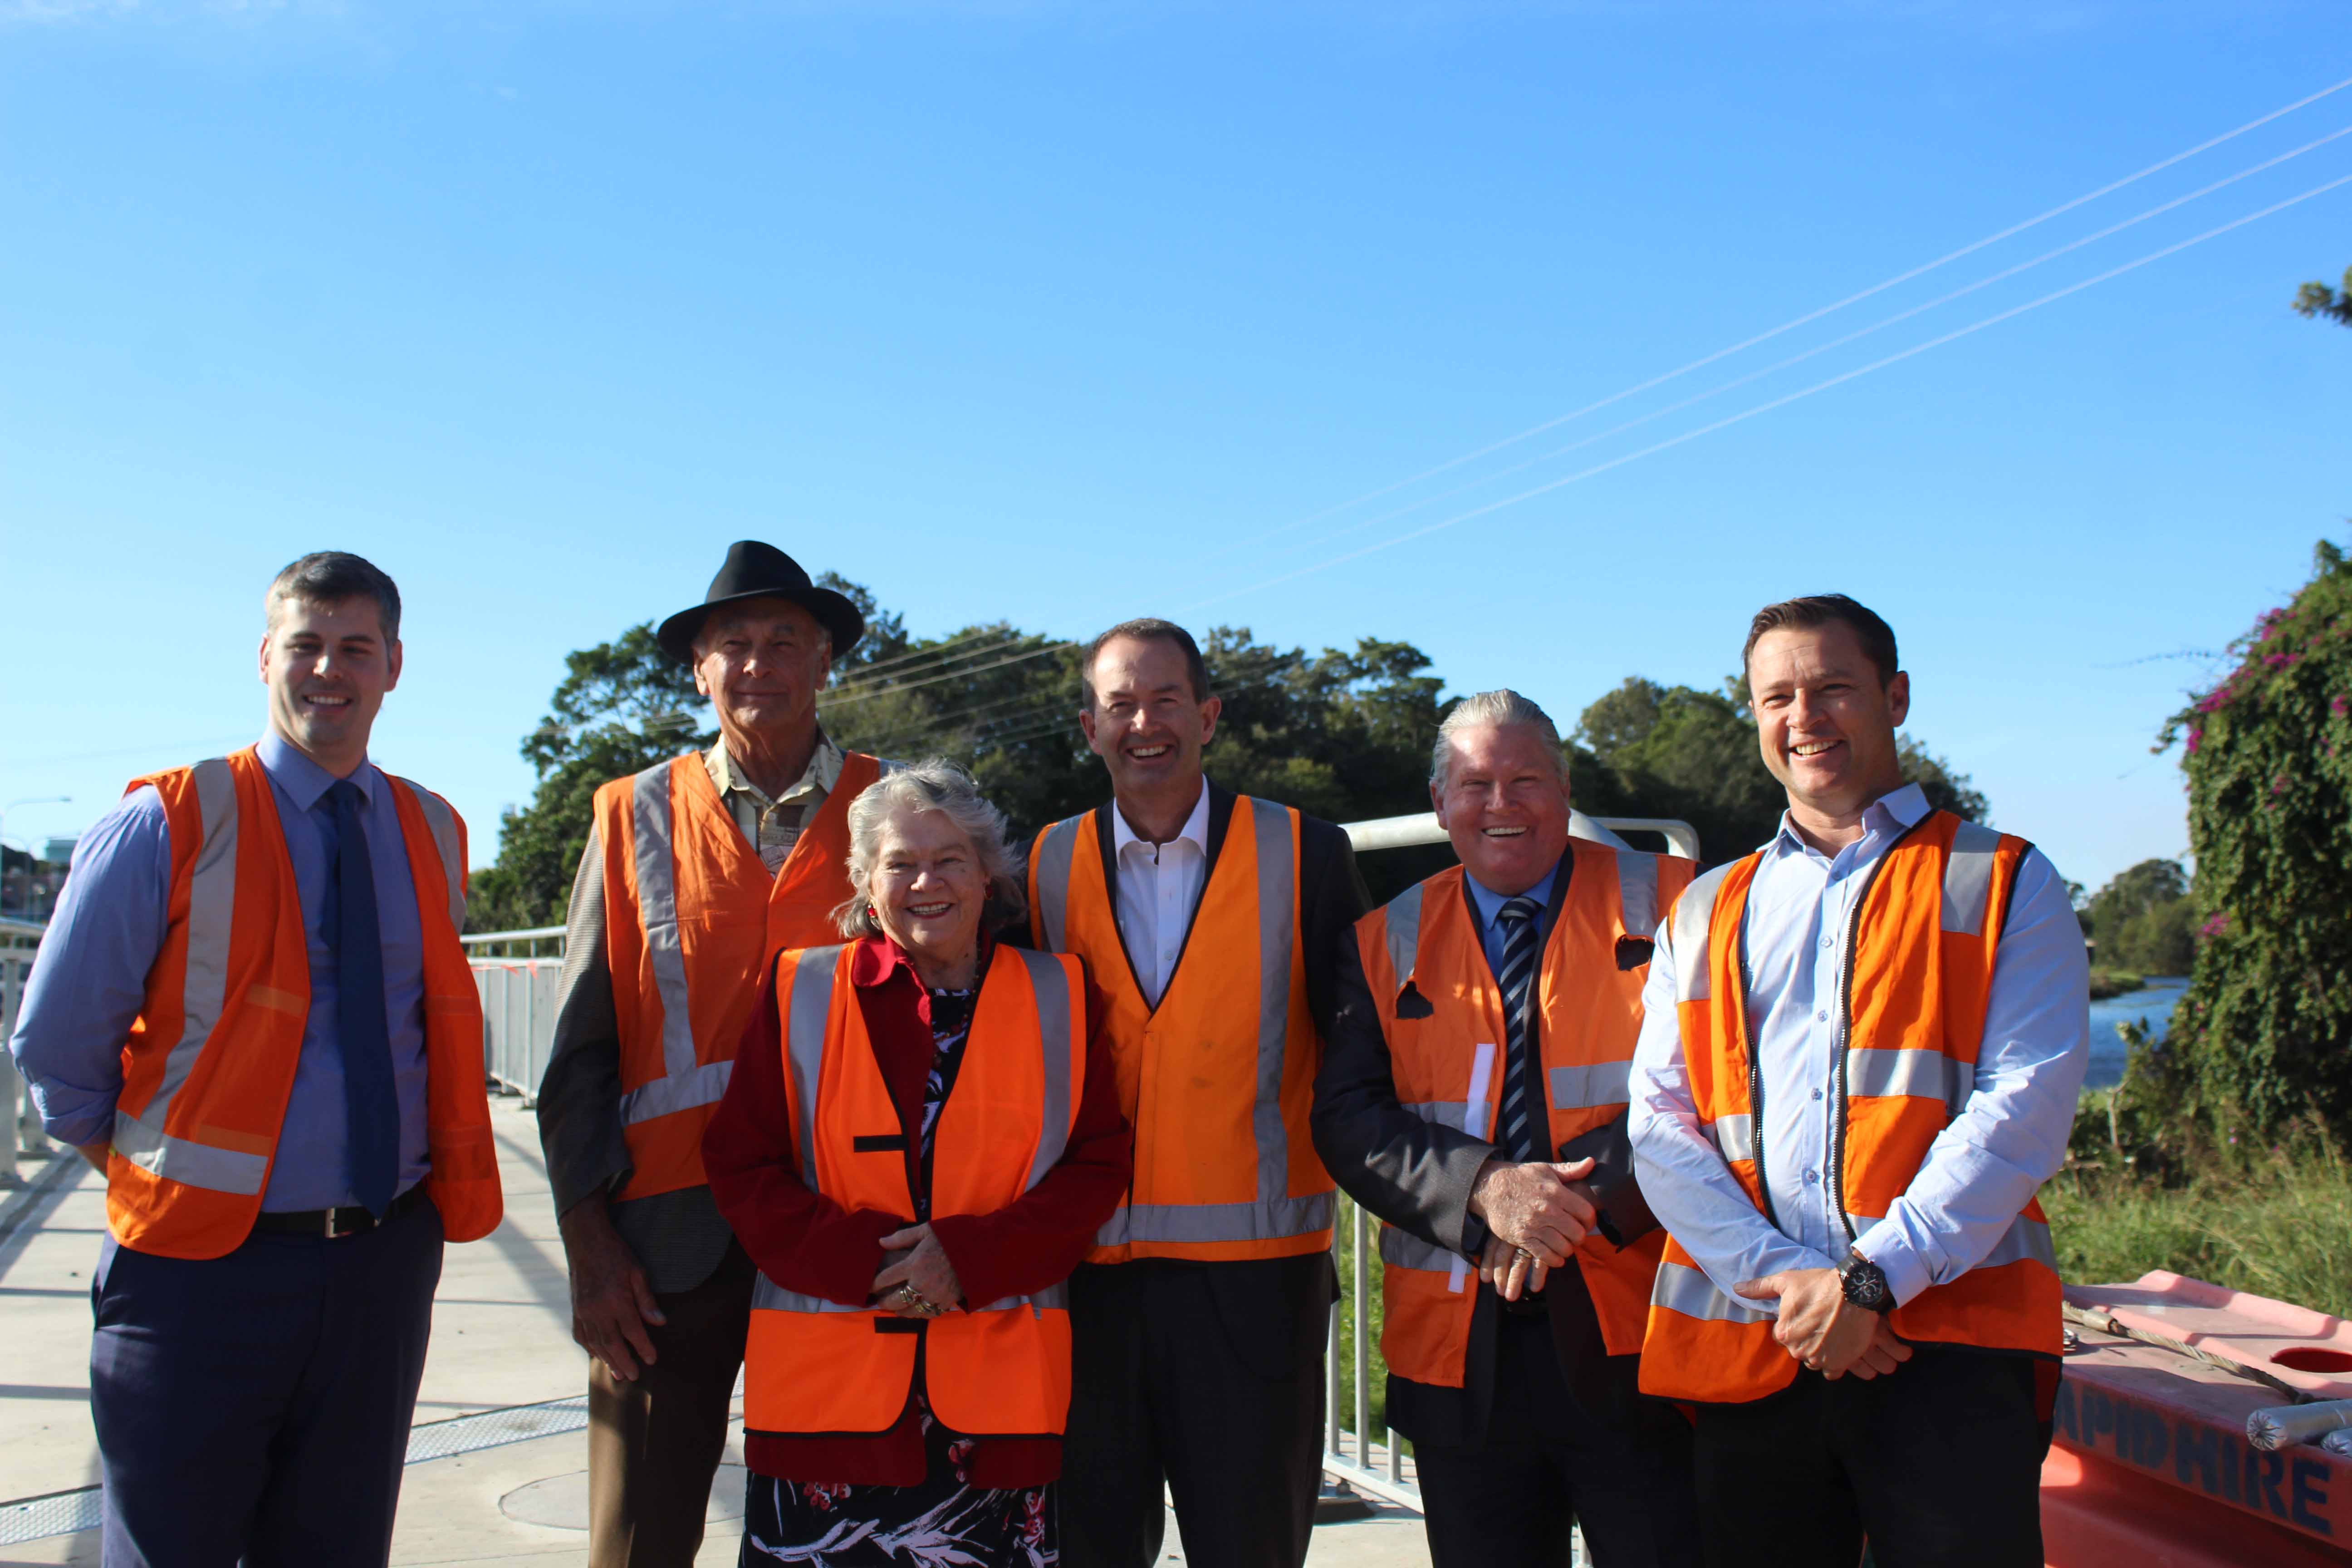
[1518, 918]
[361, 1028]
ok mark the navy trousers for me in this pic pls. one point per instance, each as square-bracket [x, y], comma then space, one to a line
[255, 1407]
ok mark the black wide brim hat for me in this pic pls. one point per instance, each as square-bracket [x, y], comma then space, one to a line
[757, 571]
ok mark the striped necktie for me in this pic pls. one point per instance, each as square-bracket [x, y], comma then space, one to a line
[1520, 926]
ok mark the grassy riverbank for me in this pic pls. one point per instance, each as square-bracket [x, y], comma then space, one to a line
[2277, 1222]
[2106, 983]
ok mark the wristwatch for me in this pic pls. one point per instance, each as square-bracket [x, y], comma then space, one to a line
[1866, 1284]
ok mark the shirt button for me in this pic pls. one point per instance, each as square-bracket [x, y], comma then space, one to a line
[1823, 1015]
[1811, 1176]
[1828, 942]
[1817, 1094]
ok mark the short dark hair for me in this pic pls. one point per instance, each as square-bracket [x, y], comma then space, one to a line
[1146, 629]
[1818, 610]
[330, 576]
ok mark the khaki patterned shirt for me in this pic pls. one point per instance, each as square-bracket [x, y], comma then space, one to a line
[773, 826]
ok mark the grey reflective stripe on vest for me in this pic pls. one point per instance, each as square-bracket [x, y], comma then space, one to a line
[656, 861]
[1277, 929]
[1734, 1136]
[1053, 1297]
[1059, 1031]
[767, 1296]
[1637, 892]
[812, 1006]
[677, 1092]
[1681, 1288]
[2025, 1241]
[1054, 848]
[1407, 1250]
[1927, 1075]
[1693, 911]
[212, 910]
[1968, 878]
[1403, 925]
[1265, 1220]
[1589, 1088]
[1453, 1113]
[442, 823]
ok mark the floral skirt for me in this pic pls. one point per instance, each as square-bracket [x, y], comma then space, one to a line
[945, 1521]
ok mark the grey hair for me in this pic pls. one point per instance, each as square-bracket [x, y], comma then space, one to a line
[934, 783]
[1493, 710]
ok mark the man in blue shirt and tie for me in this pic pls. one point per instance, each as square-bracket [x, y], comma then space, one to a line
[251, 1011]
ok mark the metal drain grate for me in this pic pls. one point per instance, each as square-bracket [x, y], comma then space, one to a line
[62, 1514]
[495, 1428]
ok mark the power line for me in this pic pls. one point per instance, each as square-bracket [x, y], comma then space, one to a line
[1781, 402]
[860, 696]
[1881, 324]
[1810, 316]
[1030, 705]
[930, 660]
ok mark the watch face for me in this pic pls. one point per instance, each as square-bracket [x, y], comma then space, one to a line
[1865, 1287]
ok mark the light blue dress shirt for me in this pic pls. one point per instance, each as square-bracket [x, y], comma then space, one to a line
[89, 980]
[2009, 1139]
[1489, 905]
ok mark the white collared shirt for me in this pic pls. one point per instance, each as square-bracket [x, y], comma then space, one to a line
[2007, 1140]
[1159, 884]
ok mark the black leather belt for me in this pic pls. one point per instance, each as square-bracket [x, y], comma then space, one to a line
[333, 1224]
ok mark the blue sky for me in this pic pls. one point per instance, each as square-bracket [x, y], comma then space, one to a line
[1062, 314]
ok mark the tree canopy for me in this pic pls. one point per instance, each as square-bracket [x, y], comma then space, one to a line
[2317, 302]
[1342, 733]
[2144, 919]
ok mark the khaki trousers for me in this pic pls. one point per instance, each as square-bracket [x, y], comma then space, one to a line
[654, 1443]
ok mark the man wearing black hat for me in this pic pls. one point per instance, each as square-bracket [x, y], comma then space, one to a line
[697, 873]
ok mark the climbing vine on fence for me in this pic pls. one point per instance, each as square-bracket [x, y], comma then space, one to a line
[2266, 1026]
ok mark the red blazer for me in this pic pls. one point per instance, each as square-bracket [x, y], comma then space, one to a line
[806, 1242]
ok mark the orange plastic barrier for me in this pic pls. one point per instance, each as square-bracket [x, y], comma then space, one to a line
[2149, 1462]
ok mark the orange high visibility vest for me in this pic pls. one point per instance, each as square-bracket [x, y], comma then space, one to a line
[210, 1062]
[692, 921]
[814, 1367]
[1919, 959]
[1218, 1079]
[1449, 1068]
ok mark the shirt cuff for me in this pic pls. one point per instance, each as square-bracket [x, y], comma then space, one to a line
[1907, 1276]
[90, 1123]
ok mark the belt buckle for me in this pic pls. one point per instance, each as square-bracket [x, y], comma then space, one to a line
[354, 1229]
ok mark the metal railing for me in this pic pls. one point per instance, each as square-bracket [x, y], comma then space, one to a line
[21, 1135]
[518, 998]
[520, 992]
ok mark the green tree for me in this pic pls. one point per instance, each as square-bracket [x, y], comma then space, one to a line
[2317, 302]
[1342, 734]
[2266, 1024]
[2143, 920]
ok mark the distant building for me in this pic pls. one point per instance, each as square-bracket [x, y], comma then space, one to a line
[59, 851]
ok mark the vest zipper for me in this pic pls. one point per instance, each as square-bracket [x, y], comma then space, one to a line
[1836, 1173]
[1755, 1078]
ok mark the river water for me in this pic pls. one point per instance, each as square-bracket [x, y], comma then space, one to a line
[2153, 1003]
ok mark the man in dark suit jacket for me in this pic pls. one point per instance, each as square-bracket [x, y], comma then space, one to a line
[1473, 1095]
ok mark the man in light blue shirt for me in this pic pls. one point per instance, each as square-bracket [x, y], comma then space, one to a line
[1866, 1432]
[252, 1405]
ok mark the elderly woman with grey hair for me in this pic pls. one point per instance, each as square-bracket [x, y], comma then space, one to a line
[920, 1136]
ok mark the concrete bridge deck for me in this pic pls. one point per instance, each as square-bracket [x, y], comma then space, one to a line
[502, 1363]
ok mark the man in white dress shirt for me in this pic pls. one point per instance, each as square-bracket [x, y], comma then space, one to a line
[1862, 1049]
[1211, 925]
